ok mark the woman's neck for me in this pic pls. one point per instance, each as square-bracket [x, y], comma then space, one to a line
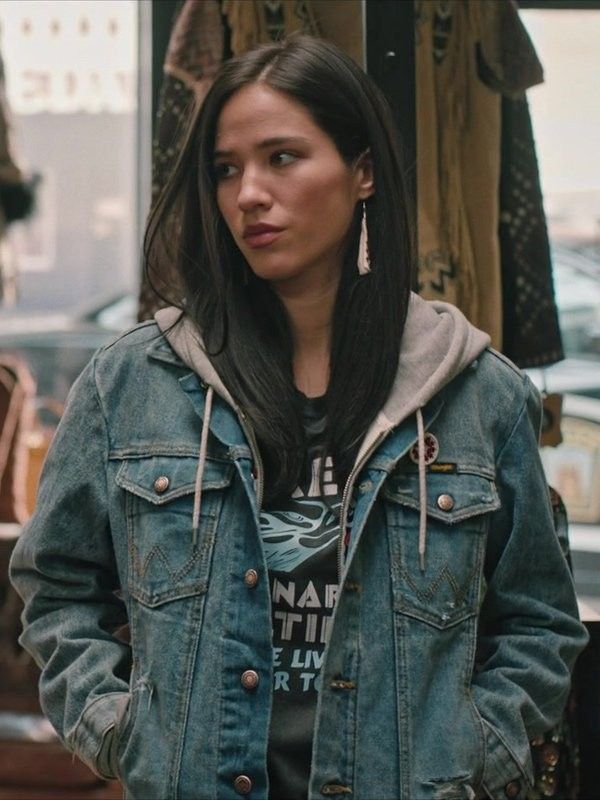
[310, 314]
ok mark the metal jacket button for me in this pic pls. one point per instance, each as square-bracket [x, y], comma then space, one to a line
[445, 502]
[335, 788]
[161, 484]
[251, 578]
[512, 789]
[242, 784]
[249, 679]
[550, 754]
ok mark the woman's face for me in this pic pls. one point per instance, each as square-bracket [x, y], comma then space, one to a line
[283, 189]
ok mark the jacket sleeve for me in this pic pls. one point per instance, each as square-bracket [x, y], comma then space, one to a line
[529, 634]
[63, 566]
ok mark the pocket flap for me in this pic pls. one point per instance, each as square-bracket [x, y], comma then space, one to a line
[450, 497]
[160, 479]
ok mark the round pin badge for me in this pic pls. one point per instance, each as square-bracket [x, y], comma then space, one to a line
[432, 450]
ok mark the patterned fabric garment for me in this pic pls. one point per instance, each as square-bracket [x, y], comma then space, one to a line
[531, 327]
[196, 50]
[474, 63]
[300, 543]
[458, 126]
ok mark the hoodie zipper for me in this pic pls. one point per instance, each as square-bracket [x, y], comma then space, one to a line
[346, 499]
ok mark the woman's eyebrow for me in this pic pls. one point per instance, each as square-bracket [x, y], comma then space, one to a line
[273, 141]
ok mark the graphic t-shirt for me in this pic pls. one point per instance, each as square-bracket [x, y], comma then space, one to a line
[300, 539]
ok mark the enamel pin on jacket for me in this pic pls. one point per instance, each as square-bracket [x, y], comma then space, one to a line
[455, 626]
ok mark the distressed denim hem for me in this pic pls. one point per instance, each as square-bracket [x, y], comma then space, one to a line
[94, 734]
[501, 767]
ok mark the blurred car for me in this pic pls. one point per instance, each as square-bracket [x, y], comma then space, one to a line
[58, 345]
[580, 376]
[577, 291]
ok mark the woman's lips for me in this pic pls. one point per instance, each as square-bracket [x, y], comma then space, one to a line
[261, 238]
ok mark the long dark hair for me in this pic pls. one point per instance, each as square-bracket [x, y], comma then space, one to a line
[243, 322]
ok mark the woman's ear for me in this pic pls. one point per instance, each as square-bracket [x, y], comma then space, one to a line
[363, 167]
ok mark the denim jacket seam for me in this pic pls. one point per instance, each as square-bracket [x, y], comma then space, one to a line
[72, 739]
[105, 424]
[522, 411]
[149, 323]
[509, 750]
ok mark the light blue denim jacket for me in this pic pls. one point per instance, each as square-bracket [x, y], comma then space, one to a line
[455, 627]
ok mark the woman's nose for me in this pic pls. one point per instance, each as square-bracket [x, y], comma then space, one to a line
[252, 191]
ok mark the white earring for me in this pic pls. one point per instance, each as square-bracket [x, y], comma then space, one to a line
[364, 259]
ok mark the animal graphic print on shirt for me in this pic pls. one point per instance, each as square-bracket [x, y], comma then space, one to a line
[306, 526]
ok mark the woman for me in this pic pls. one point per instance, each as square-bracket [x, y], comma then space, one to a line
[324, 517]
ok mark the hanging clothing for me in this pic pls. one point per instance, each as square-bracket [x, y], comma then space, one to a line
[341, 22]
[531, 326]
[458, 165]
[508, 63]
[259, 21]
[476, 168]
[194, 54]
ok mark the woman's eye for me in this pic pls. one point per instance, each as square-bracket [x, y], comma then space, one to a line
[281, 158]
[223, 170]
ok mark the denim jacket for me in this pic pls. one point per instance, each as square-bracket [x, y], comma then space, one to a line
[455, 625]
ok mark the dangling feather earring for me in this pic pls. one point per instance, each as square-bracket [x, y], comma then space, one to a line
[364, 260]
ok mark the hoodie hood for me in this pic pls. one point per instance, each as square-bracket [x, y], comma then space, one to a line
[186, 340]
[438, 344]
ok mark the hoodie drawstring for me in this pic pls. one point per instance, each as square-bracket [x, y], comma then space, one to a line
[201, 465]
[422, 478]
[422, 491]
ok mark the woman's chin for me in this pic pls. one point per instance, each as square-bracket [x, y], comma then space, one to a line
[276, 273]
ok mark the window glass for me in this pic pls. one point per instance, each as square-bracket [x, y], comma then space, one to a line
[566, 116]
[71, 72]
[71, 269]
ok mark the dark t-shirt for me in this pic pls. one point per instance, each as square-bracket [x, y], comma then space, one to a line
[300, 539]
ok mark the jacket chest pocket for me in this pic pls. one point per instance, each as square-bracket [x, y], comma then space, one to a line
[447, 591]
[164, 562]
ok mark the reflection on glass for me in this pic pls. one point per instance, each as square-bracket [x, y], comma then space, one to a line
[71, 83]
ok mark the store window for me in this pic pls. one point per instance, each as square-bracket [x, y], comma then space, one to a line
[71, 84]
[566, 116]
